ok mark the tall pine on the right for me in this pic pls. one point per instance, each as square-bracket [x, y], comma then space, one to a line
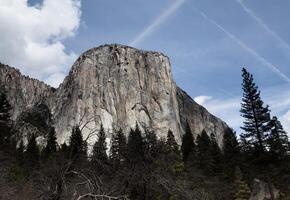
[256, 115]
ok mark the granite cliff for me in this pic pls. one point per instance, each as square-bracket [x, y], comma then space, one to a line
[114, 85]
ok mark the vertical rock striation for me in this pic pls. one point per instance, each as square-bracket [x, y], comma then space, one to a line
[117, 86]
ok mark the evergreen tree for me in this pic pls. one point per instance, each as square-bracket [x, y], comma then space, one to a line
[64, 150]
[171, 142]
[151, 146]
[100, 147]
[230, 151]
[135, 146]
[119, 147]
[216, 154]
[51, 146]
[256, 115]
[5, 120]
[173, 162]
[32, 153]
[241, 188]
[76, 144]
[188, 145]
[278, 140]
[204, 156]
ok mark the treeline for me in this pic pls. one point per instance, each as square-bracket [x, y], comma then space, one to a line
[141, 166]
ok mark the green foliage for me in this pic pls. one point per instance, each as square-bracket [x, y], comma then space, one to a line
[64, 150]
[278, 140]
[77, 147]
[51, 146]
[135, 146]
[32, 153]
[231, 152]
[171, 142]
[177, 168]
[100, 147]
[118, 148]
[5, 120]
[188, 145]
[39, 116]
[151, 148]
[241, 189]
[216, 155]
[256, 115]
[204, 154]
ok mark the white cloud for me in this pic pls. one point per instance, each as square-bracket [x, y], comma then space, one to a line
[226, 109]
[202, 99]
[32, 36]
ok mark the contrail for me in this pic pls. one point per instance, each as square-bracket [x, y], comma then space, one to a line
[245, 47]
[263, 25]
[157, 22]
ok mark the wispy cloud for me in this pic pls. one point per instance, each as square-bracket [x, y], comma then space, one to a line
[157, 22]
[202, 99]
[251, 51]
[283, 43]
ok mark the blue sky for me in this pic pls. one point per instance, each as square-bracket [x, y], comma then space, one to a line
[207, 41]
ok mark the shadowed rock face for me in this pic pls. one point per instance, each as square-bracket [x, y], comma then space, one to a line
[23, 92]
[117, 86]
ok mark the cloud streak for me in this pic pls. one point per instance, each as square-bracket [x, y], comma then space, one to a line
[157, 22]
[251, 51]
[263, 25]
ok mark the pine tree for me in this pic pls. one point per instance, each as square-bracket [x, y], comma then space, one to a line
[216, 154]
[204, 156]
[188, 145]
[230, 151]
[241, 188]
[100, 147]
[150, 144]
[51, 146]
[256, 115]
[278, 140]
[76, 144]
[119, 147]
[173, 156]
[32, 153]
[5, 120]
[171, 142]
[135, 146]
[64, 150]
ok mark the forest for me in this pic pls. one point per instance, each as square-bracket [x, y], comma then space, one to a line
[141, 166]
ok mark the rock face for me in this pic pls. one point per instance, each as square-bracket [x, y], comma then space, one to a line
[23, 92]
[198, 117]
[117, 86]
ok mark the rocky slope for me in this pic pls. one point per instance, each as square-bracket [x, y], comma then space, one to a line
[117, 86]
[23, 92]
